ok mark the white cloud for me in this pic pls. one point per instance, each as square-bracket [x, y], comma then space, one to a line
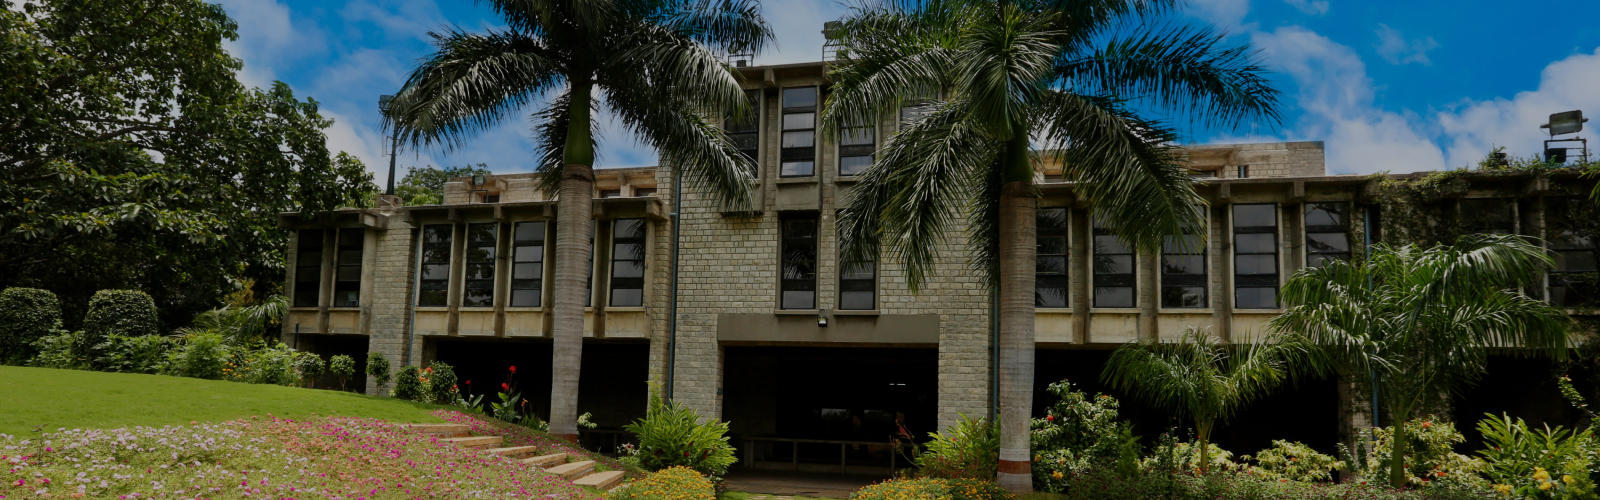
[1473, 128]
[1397, 50]
[267, 38]
[797, 25]
[1313, 7]
[1226, 14]
[399, 18]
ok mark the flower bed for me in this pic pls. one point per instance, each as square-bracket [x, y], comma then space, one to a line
[522, 436]
[672, 483]
[318, 458]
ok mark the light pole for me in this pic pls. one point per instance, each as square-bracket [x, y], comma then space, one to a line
[394, 141]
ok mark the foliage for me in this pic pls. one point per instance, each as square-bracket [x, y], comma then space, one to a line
[202, 356]
[905, 489]
[378, 369]
[1206, 379]
[968, 449]
[672, 434]
[1523, 461]
[1432, 460]
[1293, 461]
[343, 367]
[120, 312]
[239, 321]
[1079, 433]
[671, 483]
[26, 315]
[410, 385]
[976, 489]
[1422, 320]
[1152, 485]
[1185, 457]
[63, 350]
[310, 366]
[425, 186]
[133, 354]
[273, 364]
[442, 383]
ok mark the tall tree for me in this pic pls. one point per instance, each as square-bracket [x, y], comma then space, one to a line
[133, 157]
[1421, 321]
[1079, 76]
[653, 63]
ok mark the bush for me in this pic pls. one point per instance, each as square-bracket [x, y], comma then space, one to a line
[137, 354]
[120, 312]
[26, 315]
[905, 489]
[969, 449]
[65, 350]
[1546, 463]
[672, 483]
[1108, 485]
[1185, 457]
[671, 435]
[976, 489]
[409, 385]
[442, 383]
[1293, 461]
[378, 369]
[1079, 433]
[310, 366]
[1433, 460]
[203, 356]
[268, 365]
[343, 367]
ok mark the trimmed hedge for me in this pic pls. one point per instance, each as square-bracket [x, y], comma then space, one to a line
[26, 315]
[120, 312]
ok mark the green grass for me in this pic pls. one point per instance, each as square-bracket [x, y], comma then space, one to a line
[48, 399]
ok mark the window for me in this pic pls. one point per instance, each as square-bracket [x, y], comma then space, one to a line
[347, 274]
[856, 146]
[1488, 216]
[1050, 267]
[1327, 232]
[857, 286]
[1113, 269]
[644, 191]
[799, 132]
[1255, 256]
[308, 269]
[1244, 171]
[491, 198]
[745, 134]
[1202, 174]
[480, 265]
[799, 261]
[627, 263]
[610, 193]
[527, 264]
[588, 279]
[435, 286]
[1183, 270]
[915, 110]
[1575, 253]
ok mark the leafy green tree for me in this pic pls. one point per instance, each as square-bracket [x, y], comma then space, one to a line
[26, 315]
[425, 186]
[378, 369]
[343, 367]
[1206, 379]
[134, 158]
[988, 78]
[1421, 320]
[653, 63]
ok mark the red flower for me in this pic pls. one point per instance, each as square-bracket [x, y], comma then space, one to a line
[1049, 418]
[469, 381]
[513, 370]
[686, 453]
[505, 387]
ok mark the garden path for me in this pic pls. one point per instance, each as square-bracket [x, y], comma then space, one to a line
[782, 485]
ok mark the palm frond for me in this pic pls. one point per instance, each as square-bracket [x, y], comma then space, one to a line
[469, 84]
[731, 26]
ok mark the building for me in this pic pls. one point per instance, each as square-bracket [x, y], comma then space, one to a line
[775, 337]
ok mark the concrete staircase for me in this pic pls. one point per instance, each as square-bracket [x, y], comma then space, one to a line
[580, 473]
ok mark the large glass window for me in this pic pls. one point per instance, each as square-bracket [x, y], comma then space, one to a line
[435, 280]
[1183, 270]
[746, 133]
[527, 264]
[627, 263]
[1575, 255]
[1488, 216]
[915, 110]
[480, 265]
[1114, 284]
[1327, 232]
[347, 276]
[1255, 256]
[308, 269]
[1050, 268]
[856, 147]
[799, 262]
[799, 132]
[858, 286]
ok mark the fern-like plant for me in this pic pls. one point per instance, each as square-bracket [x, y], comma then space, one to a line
[970, 449]
[671, 434]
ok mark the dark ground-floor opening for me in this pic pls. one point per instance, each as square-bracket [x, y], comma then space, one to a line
[1306, 412]
[612, 385]
[1521, 387]
[826, 395]
[328, 346]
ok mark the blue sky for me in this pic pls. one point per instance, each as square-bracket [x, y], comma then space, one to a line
[1394, 86]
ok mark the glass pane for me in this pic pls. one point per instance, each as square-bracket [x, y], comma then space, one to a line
[1255, 243]
[1327, 242]
[1052, 245]
[1569, 240]
[305, 294]
[310, 238]
[480, 254]
[308, 273]
[627, 269]
[436, 234]
[855, 301]
[349, 273]
[477, 297]
[346, 299]
[1256, 298]
[435, 271]
[860, 271]
[1050, 265]
[1255, 216]
[529, 253]
[1256, 264]
[745, 141]
[433, 298]
[309, 259]
[1326, 214]
[525, 298]
[1051, 297]
[627, 251]
[1113, 296]
[800, 228]
[1110, 244]
[799, 271]
[1052, 219]
[856, 136]
[797, 169]
[1575, 261]
[1318, 259]
[349, 257]
[480, 271]
[799, 97]
[436, 254]
[530, 231]
[854, 165]
[1487, 214]
[629, 228]
[915, 112]
[798, 121]
[528, 271]
[801, 139]
[1113, 264]
[799, 300]
[1183, 264]
[1183, 296]
[627, 297]
[351, 237]
[1189, 243]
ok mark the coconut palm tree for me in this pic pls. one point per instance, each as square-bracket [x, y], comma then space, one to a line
[1077, 76]
[1422, 320]
[1206, 379]
[653, 63]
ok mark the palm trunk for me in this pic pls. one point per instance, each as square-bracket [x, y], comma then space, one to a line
[1399, 447]
[574, 220]
[1018, 231]
[1204, 441]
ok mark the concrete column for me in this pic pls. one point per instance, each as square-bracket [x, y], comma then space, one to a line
[1221, 256]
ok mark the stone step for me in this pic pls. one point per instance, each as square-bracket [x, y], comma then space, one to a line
[476, 442]
[441, 430]
[603, 480]
[515, 451]
[545, 461]
[573, 470]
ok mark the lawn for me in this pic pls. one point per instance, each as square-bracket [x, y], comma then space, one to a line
[49, 399]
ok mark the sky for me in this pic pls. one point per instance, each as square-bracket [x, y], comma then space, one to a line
[1398, 86]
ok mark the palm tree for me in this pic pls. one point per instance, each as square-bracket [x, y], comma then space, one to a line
[996, 76]
[1421, 320]
[1207, 379]
[654, 64]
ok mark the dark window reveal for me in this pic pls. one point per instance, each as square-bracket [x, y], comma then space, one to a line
[480, 265]
[858, 286]
[527, 264]
[627, 263]
[1488, 216]
[856, 147]
[347, 274]
[308, 269]
[1575, 255]
[799, 132]
[1183, 271]
[1255, 256]
[610, 193]
[1114, 284]
[435, 285]
[1327, 232]
[641, 192]
[799, 262]
[745, 134]
[1050, 268]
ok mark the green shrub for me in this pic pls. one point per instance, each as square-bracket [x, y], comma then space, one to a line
[671, 435]
[1108, 485]
[273, 365]
[129, 313]
[1079, 433]
[310, 366]
[1544, 463]
[409, 385]
[976, 489]
[65, 350]
[26, 315]
[968, 449]
[1185, 457]
[1433, 460]
[1293, 461]
[442, 383]
[343, 367]
[136, 354]
[905, 489]
[378, 369]
[204, 356]
[672, 483]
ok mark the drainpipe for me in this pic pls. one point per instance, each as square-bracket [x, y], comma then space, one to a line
[672, 317]
[1366, 235]
[416, 285]
[994, 355]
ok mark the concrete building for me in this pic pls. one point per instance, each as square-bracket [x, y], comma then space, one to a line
[775, 337]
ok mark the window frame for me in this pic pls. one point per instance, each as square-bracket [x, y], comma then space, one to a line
[1343, 229]
[868, 284]
[1275, 230]
[1064, 276]
[448, 244]
[1557, 278]
[537, 283]
[797, 154]
[748, 132]
[340, 284]
[643, 242]
[1203, 278]
[469, 284]
[301, 269]
[868, 150]
[787, 284]
[1113, 282]
[1470, 221]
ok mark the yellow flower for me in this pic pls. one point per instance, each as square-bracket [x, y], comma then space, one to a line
[1541, 474]
[1568, 479]
[1545, 486]
[1056, 474]
[1037, 458]
[1504, 489]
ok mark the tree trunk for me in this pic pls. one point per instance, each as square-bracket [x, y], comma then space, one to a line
[1399, 447]
[1204, 441]
[574, 221]
[1017, 240]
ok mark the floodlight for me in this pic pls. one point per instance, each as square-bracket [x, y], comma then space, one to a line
[479, 180]
[1566, 122]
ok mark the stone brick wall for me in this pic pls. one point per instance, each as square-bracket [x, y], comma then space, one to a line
[392, 296]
